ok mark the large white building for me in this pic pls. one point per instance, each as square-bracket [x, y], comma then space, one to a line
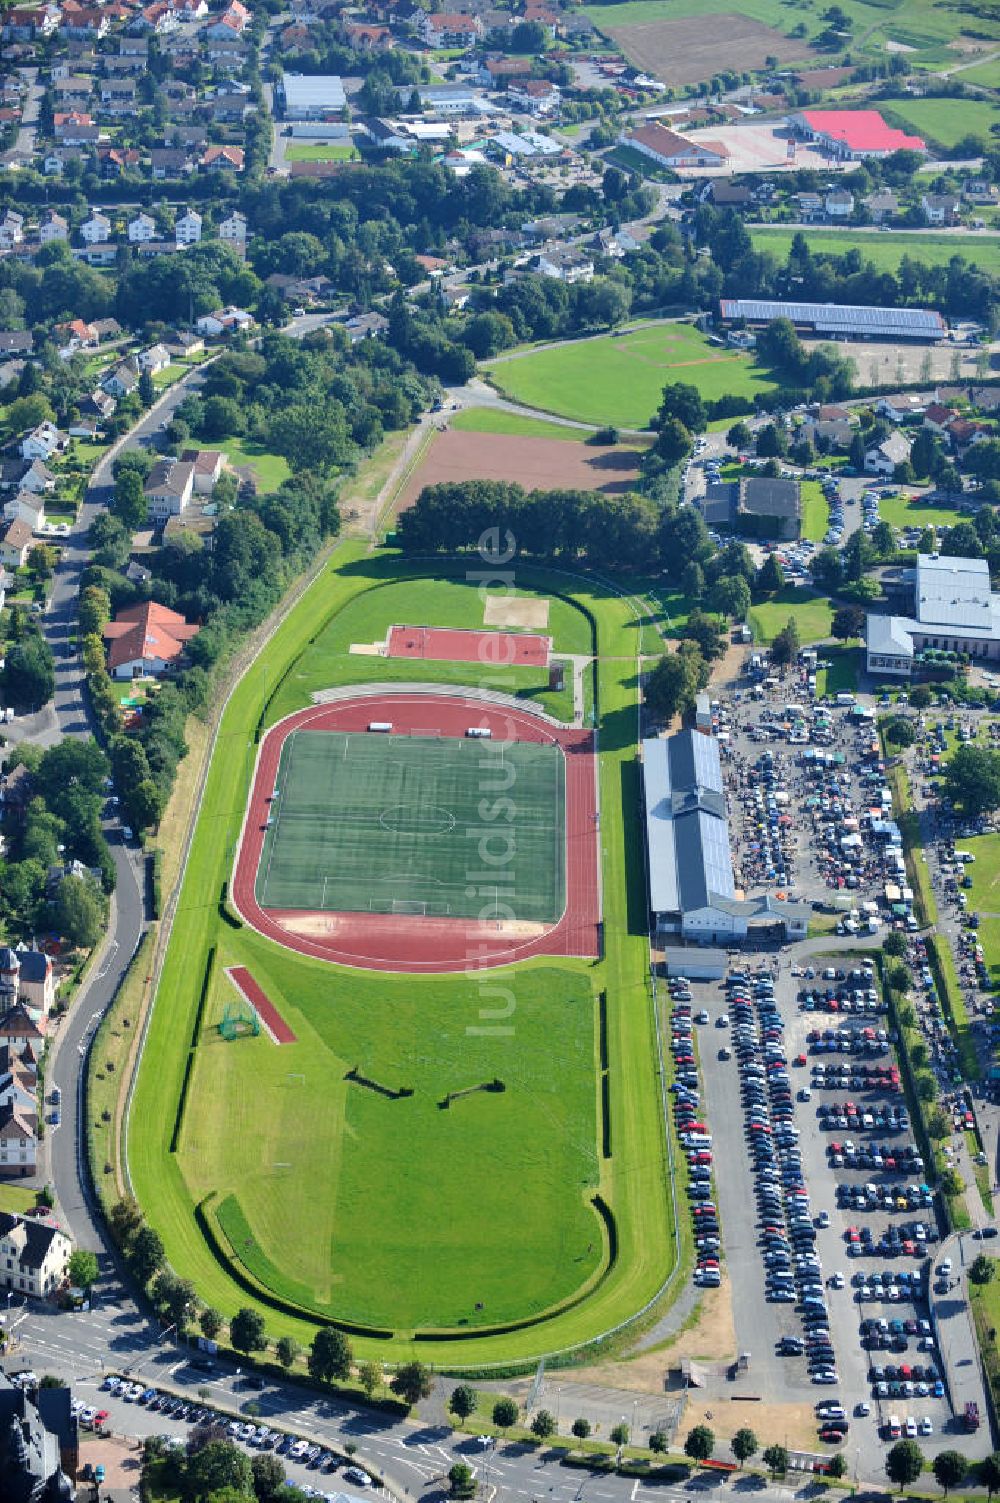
[313, 96]
[692, 890]
[953, 610]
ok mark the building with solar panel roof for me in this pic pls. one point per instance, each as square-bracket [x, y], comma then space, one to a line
[839, 320]
[692, 888]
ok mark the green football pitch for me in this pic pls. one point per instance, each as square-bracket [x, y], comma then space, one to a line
[416, 825]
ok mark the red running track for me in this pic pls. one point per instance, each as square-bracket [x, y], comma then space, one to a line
[394, 942]
[494, 649]
[261, 1003]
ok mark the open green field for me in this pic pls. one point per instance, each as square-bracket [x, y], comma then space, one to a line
[987, 75]
[984, 893]
[884, 248]
[841, 676]
[815, 511]
[944, 121]
[272, 469]
[913, 511]
[813, 615]
[341, 1202]
[382, 825]
[496, 420]
[320, 151]
[619, 379]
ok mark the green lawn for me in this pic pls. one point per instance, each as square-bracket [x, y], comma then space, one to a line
[323, 1186]
[320, 151]
[842, 674]
[815, 511]
[496, 420]
[272, 469]
[913, 511]
[619, 379]
[813, 615]
[944, 121]
[17, 1199]
[985, 871]
[169, 375]
[884, 248]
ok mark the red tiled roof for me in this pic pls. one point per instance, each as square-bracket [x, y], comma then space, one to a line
[146, 631]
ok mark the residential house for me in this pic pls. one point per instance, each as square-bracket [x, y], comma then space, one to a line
[15, 540]
[366, 326]
[98, 404]
[233, 22]
[446, 29]
[155, 359]
[56, 160]
[964, 432]
[839, 204]
[536, 96]
[36, 982]
[11, 230]
[223, 159]
[882, 206]
[25, 23]
[142, 227]
[77, 335]
[224, 321]
[72, 93]
[27, 475]
[27, 506]
[187, 228]
[123, 380]
[146, 638]
[18, 1079]
[106, 328]
[52, 226]
[33, 1260]
[940, 208]
[903, 405]
[16, 342]
[114, 161]
[170, 161]
[810, 207]
[97, 229]
[185, 344]
[366, 37]
[74, 127]
[937, 417]
[566, 264]
[42, 442]
[233, 229]
[497, 72]
[208, 466]
[884, 457]
[168, 489]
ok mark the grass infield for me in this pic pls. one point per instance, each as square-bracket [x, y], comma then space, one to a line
[390, 824]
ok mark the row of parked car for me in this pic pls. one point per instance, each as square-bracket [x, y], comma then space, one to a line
[793, 1271]
[694, 1136]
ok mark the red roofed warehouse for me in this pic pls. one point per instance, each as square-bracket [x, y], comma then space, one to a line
[852, 134]
[145, 638]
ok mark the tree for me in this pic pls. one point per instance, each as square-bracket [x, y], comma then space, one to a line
[211, 1323]
[79, 911]
[900, 731]
[543, 1424]
[739, 436]
[28, 677]
[505, 1412]
[82, 1268]
[463, 1401]
[682, 401]
[776, 1460]
[744, 1445]
[785, 647]
[330, 1355]
[770, 576]
[673, 441]
[983, 1269]
[173, 1297]
[670, 686]
[145, 1255]
[836, 1467]
[730, 596]
[658, 1442]
[371, 1377]
[904, 1463]
[268, 1476]
[129, 502]
[989, 1473]
[461, 1480]
[246, 1330]
[848, 621]
[693, 581]
[772, 442]
[972, 779]
[950, 1469]
[218, 1465]
[287, 1351]
[412, 1382]
[920, 696]
[581, 1427]
[125, 1219]
[619, 1434]
[699, 1443]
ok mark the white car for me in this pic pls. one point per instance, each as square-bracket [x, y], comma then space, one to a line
[926, 1428]
[911, 1427]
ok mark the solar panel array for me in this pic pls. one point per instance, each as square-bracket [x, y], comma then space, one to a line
[841, 318]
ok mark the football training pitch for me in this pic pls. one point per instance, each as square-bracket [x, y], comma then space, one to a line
[392, 824]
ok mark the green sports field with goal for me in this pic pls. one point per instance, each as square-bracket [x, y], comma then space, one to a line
[364, 823]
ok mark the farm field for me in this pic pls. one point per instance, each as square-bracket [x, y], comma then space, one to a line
[619, 379]
[535, 463]
[884, 248]
[682, 50]
[944, 121]
[813, 615]
[365, 1200]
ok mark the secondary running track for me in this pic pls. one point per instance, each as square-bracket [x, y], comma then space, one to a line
[398, 942]
[493, 649]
